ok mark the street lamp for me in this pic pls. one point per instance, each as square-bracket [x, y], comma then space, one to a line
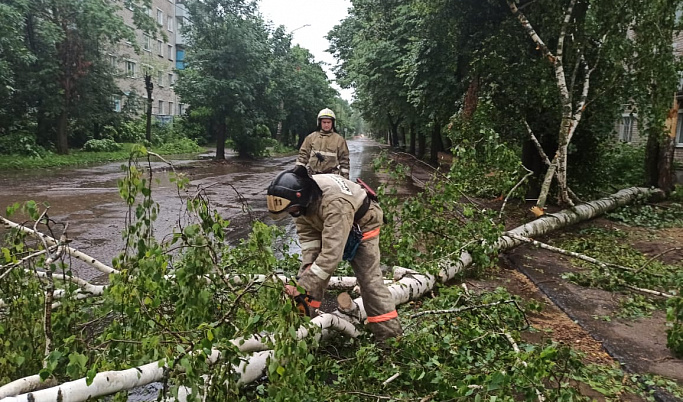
[296, 29]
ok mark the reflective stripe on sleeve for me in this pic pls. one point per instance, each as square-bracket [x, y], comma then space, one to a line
[370, 234]
[319, 272]
[311, 244]
[384, 317]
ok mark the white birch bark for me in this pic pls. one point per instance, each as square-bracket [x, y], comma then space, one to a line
[570, 118]
[93, 262]
[411, 286]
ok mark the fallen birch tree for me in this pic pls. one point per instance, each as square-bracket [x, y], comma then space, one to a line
[411, 286]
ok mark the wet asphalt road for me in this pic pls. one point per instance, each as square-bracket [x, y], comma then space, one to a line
[89, 200]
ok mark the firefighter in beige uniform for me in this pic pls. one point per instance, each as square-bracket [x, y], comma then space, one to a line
[325, 207]
[325, 151]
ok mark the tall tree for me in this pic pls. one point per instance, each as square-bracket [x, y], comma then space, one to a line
[228, 65]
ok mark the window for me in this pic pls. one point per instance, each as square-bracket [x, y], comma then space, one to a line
[148, 11]
[170, 107]
[160, 17]
[679, 129]
[161, 107]
[160, 78]
[180, 59]
[160, 47]
[171, 81]
[116, 103]
[113, 62]
[181, 108]
[169, 23]
[626, 127]
[147, 43]
[170, 52]
[130, 69]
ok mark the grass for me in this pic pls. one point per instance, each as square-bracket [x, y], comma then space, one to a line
[80, 158]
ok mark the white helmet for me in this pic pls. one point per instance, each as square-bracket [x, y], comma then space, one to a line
[326, 114]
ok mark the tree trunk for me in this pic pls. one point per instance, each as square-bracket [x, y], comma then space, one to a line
[393, 133]
[652, 159]
[149, 87]
[45, 126]
[413, 133]
[221, 131]
[422, 143]
[436, 144]
[62, 132]
[278, 131]
[667, 146]
[402, 138]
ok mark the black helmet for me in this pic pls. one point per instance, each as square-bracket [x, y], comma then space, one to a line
[289, 189]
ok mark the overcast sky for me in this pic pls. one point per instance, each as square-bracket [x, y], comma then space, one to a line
[319, 15]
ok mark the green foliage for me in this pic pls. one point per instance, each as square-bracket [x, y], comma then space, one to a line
[173, 302]
[674, 318]
[615, 165]
[130, 131]
[21, 143]
[105, 145]
[242, 76]
[483, 164]
[55, 78]
[420, 230]
[180, 146]
[612, 247]
[649, 215]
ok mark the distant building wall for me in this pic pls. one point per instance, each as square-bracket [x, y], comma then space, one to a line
[156, 56]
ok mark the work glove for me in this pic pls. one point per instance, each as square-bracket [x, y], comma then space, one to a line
[304, 302]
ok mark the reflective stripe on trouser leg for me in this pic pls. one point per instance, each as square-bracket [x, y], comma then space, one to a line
[377, 300]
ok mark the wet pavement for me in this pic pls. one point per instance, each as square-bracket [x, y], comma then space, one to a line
[89, 200]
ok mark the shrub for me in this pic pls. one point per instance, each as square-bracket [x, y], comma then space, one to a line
[21, 143]
[105, 145]
[180, 146]
[130, 131]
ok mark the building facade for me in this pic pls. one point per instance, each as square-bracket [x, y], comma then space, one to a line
[160, 57]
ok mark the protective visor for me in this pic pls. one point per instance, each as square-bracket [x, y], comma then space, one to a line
[277, 206]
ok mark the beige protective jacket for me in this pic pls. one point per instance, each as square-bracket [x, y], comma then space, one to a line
[325, 153]
[323, 231]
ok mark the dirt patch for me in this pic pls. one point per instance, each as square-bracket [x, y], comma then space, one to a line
[550, 323]
[639, 345]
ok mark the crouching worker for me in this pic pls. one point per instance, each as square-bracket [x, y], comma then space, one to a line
[327, 210]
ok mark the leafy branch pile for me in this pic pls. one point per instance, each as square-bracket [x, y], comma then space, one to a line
[172, 302]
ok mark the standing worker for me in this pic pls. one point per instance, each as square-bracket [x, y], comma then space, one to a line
[335, 218]
[325, 151]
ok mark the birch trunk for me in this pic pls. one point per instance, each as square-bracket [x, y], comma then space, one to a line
[412, 286]
[570, 116]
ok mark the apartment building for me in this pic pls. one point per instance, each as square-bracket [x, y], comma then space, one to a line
[160, 57]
